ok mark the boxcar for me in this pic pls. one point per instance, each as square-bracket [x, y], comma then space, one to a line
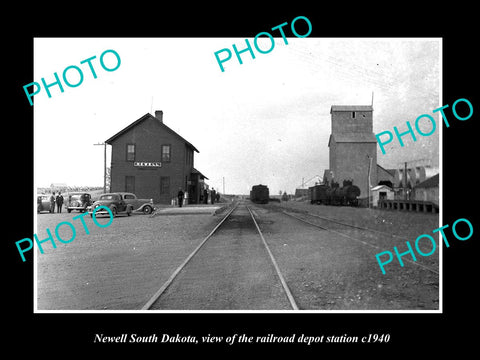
[259, 194]
[318, 194]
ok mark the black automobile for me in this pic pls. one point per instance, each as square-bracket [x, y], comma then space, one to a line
[43, 203]
[78, 201]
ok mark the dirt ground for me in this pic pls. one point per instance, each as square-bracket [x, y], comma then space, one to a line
[402, 223]
[117, 267]
[121, 266]
[326, 271]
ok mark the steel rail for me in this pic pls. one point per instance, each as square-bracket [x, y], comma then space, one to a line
[353, 226]
[277, 269]
[172, 277]
[352, 238]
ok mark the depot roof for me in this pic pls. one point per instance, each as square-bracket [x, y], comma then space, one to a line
[160, 122]
[195, 171]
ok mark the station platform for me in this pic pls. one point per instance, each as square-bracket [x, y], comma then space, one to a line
[190, 209]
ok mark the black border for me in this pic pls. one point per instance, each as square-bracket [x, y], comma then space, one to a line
[410, 333]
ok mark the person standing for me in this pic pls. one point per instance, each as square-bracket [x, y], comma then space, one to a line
[180, 197]
[205, 196]
[52, 202]
[213, 195]
[59, 201]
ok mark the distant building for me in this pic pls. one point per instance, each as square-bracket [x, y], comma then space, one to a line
[386, 176]
[415, 175]
[353, 147]
[427, 190]
[404, 183]
[153, 161]
[300, 192]
[58, 186]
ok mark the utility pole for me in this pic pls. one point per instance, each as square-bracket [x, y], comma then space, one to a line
[368, 178]
[403, 167]
[104, 166]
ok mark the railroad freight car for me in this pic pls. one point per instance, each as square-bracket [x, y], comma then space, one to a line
[259, 194]
[335, 195]
[318, 194]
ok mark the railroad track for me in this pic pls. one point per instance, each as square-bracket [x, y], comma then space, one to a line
[344, 235]
[230, 265]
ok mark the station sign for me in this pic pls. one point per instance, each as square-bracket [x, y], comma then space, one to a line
[147, 164]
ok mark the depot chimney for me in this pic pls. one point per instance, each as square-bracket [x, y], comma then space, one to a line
[159, 115]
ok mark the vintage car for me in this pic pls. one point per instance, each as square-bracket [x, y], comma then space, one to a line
[78, 201]
[122, 202]
[43, 203]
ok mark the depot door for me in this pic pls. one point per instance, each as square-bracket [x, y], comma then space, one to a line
[130, 184]
[165, 196]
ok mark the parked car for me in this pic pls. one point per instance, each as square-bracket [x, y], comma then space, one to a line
[122, 202]
[78, 201]
[43, 203]
[139, 205]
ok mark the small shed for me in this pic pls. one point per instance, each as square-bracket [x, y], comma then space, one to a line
[381, 192]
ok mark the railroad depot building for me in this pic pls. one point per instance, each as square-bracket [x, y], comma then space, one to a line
[153, 161]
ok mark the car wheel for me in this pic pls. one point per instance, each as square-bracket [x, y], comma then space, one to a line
[69, 210]
[129, 211]
[114, 211]
[147, 210]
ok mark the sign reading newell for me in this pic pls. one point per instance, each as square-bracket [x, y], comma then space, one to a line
[147, 163]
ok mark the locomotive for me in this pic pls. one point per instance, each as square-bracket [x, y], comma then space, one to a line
[259, 194]
[334, 194]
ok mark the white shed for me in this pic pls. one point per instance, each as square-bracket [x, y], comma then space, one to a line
[380, 192]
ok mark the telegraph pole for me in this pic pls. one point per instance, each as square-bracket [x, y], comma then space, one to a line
[104, 165]
[425, 162]
[368, 179]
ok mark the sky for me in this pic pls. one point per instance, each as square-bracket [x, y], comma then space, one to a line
[264, 121]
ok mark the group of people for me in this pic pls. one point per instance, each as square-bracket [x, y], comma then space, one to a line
[56, 200]
[214, 196]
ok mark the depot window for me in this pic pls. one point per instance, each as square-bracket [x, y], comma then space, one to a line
[165, 185]
[166, 153]
[130, 152]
